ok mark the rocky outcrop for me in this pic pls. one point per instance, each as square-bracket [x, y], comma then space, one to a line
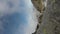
[51, 18]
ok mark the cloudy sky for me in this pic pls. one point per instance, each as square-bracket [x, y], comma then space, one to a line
[17, 17]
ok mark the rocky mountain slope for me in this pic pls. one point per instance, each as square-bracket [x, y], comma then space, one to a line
[51, 17]
[38, 4]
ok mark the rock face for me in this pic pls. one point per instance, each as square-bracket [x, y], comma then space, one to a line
[51, 18]
[38, 4]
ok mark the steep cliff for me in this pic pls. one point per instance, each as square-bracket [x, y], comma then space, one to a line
[51, 18]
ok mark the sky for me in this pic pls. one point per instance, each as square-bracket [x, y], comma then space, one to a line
[17, 17]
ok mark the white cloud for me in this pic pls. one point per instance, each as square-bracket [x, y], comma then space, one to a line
[32, 19]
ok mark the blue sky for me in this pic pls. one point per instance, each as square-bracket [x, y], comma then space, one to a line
[17, 17]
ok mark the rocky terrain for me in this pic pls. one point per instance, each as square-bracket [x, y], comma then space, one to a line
[50, 18]
[38, 4]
